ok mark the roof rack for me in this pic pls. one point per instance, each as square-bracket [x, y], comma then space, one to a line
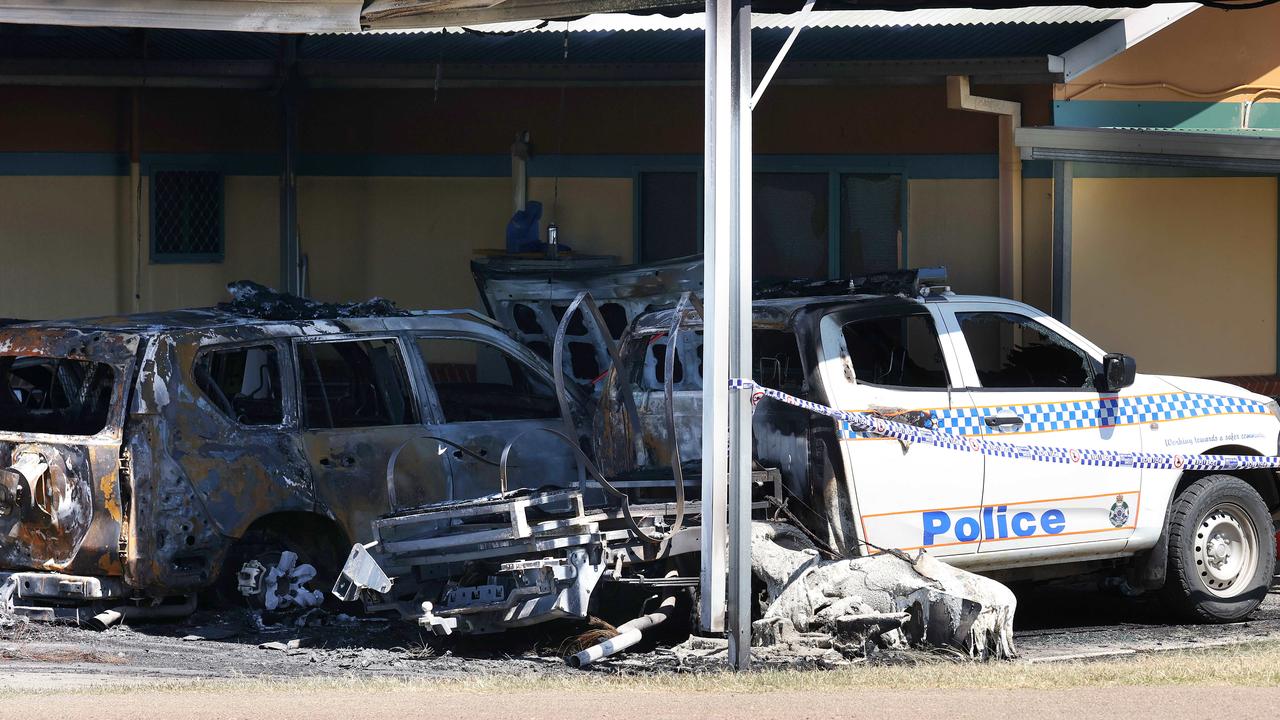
[912, 282]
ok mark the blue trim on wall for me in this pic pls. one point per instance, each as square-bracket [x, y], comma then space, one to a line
[916, 167]
[1202, 115]
[63, 163]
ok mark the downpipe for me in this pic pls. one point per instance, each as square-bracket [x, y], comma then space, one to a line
[116, 615]
[629, 633]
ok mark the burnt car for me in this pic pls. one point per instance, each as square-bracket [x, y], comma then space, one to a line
[147, 458]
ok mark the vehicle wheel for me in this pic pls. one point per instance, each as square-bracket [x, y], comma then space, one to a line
[267, 546]
[1220, 550]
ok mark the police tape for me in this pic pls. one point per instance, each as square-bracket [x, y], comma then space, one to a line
[884, 427]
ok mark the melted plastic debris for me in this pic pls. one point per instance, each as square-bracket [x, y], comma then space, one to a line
[885, 601]
[259, 301]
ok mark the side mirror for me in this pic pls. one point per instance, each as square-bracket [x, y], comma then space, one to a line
[1118, 372]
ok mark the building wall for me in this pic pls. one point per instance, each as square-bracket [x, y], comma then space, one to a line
[1178, 272]
[397, 194]
[412, 238]
[61, 237]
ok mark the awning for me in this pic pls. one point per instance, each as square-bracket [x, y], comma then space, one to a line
[277, 16]
[327, 16]
[1236, 150]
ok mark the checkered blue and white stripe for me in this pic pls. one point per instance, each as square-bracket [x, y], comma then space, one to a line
[1088, 414]
[1145, 409]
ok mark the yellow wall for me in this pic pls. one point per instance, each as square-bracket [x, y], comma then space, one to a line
[252, 248]
[412, 239]
[954, 223]
[60, 237]
[1037, 242]
[1178, 272]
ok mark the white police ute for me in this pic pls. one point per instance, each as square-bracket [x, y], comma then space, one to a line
[1095, 469]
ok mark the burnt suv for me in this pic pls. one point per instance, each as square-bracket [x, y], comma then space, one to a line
[148, 457]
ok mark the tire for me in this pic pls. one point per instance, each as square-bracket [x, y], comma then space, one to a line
[1221, 550]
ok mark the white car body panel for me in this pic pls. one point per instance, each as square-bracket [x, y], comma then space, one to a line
[991, 512]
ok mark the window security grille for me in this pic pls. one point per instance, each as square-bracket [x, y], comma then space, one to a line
[186, 216]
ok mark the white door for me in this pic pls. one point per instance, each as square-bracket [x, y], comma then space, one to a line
[1034, 382]
[889, 358]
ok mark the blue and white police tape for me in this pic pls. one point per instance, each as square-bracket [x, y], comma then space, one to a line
[884, 427]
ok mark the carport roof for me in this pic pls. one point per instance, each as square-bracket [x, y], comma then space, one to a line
[835, 35]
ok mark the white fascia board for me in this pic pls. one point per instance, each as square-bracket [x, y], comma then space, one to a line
[270, 16]
[1126, 33]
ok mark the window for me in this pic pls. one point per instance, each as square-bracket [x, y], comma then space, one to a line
[243, 383]
[789, 226]
[870, 224]
[186, 216]
[1012, 351]
[54, 395]
[354, 383]
[791, 222]
[900, 351]
[476, 381]
[670, 221]
[775, 360]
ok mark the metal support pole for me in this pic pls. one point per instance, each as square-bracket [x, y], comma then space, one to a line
[290, 247]
[715, 345]
[726, 416]
[740, 274]
[1062, 181]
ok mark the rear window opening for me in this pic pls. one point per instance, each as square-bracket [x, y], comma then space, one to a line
[58, 396]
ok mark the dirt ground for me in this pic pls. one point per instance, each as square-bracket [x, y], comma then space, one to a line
[1131, 703]
[332, 667]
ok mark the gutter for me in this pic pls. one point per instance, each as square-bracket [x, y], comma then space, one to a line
[1009, 116]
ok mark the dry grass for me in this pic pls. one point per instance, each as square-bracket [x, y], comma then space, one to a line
[1245, 665]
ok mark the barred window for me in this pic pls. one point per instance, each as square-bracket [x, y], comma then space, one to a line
[186, 216]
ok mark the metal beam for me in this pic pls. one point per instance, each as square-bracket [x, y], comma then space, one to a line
[1125, 146]
[738, 599]
[290, 246]
[1121, 36]
[264, 74]
[1062, 187]
[715, 338]
[726, 414]
[782, 52]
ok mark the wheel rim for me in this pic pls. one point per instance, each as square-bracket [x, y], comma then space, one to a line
[1226, 550]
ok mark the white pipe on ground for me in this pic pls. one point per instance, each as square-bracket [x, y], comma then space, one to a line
[629, 633]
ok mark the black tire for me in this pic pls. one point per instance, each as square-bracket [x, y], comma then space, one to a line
[1214, 576]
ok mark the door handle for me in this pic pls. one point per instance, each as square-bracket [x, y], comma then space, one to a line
[1003, 421]
[480, 453]
[345, 461]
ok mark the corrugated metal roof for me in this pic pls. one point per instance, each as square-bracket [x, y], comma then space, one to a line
[932, 42]
[833, 36]
[622, 22]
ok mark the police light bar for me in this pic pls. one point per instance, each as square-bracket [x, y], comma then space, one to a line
[911, 282]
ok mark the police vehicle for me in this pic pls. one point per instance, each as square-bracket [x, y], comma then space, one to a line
[982, 367]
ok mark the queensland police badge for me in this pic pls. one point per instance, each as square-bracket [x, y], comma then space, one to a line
[1119, 514]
